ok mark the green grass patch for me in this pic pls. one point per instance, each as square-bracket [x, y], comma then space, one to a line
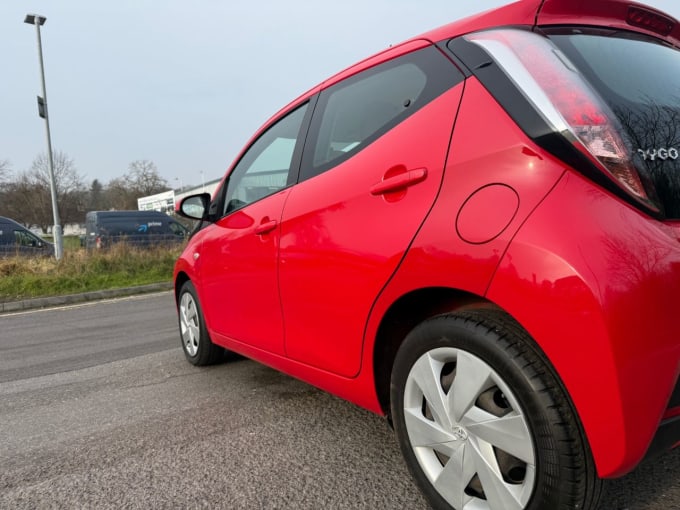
[81, 271]
[70, 242]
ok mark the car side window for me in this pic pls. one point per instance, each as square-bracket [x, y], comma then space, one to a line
[264, 169]
[357, 111]
[178, 229]
[25, 239]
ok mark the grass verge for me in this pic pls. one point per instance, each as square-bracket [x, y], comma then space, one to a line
[83, 271]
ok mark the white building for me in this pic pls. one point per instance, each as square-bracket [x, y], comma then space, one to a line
[168, 200]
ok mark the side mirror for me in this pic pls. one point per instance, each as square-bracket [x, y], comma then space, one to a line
[195, 207]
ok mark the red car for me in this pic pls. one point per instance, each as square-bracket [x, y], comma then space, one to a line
[475, 233]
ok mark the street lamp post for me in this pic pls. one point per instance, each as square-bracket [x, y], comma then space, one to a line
[38, 21]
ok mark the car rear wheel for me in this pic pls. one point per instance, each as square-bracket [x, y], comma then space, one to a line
[482, 420]
[196, 343]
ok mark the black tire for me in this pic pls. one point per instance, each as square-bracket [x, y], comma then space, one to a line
[196, 344]
[473, 368]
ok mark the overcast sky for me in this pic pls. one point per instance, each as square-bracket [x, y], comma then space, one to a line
[182, 83]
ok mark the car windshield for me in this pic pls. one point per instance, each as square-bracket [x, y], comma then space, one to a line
[639, 77]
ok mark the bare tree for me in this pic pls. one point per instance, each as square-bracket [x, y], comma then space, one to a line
[18, 200]
[4, 185]
[5, 169]
[119, 195]
[143, 178]
[66, 176]
[69, 190]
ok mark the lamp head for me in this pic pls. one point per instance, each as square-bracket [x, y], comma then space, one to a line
[35, 19]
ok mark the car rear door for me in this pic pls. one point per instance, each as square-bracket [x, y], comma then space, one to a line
[371, 170]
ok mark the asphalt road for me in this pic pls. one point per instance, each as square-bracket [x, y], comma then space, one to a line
[99, 409]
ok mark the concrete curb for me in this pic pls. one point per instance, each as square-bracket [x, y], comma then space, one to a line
[70, 299]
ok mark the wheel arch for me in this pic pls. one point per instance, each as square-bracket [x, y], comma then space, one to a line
[402, 316]
[180, 279]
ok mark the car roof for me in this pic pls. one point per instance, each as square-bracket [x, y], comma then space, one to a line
[604, 13]
[10, 221]
[608, 13]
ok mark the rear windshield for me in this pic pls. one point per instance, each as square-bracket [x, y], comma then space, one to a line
[639, 77]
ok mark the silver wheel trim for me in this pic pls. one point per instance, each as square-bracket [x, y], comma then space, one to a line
[456, 442]
[189, 324]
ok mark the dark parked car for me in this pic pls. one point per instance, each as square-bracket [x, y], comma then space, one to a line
[143, 229]
[17, 240]
[477, 234]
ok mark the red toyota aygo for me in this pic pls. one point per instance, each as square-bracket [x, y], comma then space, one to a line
[475, 233]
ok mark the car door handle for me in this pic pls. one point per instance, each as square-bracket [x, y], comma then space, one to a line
[265, 227]
[399, 181]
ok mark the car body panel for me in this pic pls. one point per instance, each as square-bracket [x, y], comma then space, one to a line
[439, 256]
[357, 237]
[239, 275]
[616, 298]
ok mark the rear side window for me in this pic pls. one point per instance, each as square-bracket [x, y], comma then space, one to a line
[639, 77]
[24, 238]
[356, 112]
[360, 109]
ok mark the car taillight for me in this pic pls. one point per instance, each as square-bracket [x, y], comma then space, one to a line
[652, 21]
[561, 95]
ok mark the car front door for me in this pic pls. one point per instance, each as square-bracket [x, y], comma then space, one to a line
[372, 167]
[238, 267]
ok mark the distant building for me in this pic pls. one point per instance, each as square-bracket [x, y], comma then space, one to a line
[208, 187]
[162, 202]
[167, 201]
